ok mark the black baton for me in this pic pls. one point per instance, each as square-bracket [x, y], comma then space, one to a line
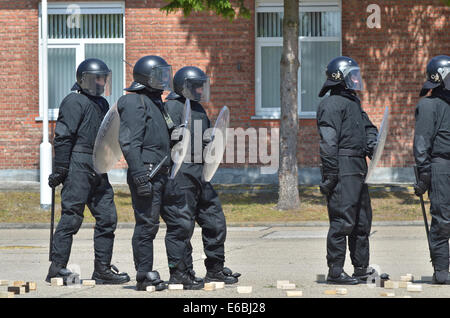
[422, 204]
[158, 166]
[52, 224]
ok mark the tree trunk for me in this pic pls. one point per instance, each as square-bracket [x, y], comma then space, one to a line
[288, 172]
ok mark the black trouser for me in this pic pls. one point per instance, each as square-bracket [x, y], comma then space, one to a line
[189, 199]
[440, 214]
[350, 214]
[83, 186]
[146, 213]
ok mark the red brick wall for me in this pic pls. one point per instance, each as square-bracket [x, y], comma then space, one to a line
[20, 135]
[392, 60]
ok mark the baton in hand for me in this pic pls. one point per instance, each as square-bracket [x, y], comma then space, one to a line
[52, 224]
[422, 204]
[155, 171]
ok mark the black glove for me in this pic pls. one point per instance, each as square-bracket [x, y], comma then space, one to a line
[423, 185]
[58, 176]
[143, 185]
[207, 139]
[329, 183]
[369, 153]
[370, 149]
[176, 135]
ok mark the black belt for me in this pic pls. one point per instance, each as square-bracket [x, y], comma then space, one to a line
[351, 153]
[82, 148]
[440, 160]
[165, 170]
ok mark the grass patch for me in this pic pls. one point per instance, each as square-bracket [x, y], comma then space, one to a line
[399, 205]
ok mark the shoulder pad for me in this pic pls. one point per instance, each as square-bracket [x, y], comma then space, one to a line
[75, 98]
[129, 99]
[173, 95]
[174, 104]
[334, 102]
[427, 101]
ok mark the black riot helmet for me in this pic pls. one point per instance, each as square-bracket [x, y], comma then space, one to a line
[152, 72]
[192, 83]
[345, 71]
[438, 74]
[93, 78]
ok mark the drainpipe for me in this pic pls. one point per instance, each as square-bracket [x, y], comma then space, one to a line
[45, 158]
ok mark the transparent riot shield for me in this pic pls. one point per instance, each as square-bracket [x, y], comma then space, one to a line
[381, 140]
[215, 149]
[107, 150]
[180, 150]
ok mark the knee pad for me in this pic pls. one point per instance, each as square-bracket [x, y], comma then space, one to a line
[346, 228]
[208, 192]
[149, 230]
[444, 229]
[184, 228]
[70, 223]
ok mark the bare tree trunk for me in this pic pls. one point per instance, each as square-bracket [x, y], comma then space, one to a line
[288, 172]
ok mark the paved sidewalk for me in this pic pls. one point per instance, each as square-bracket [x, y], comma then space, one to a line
[262, 254]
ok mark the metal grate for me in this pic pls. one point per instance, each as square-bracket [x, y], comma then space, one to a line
[312, 24]
[85, 26]
[270, 24]
[320, 24]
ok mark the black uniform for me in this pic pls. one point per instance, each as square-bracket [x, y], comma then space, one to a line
[347, 137]
[78, 122]
[432, 156]
[193, 200]
[144, 140]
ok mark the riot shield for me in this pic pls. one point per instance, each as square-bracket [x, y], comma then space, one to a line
[213, 152]
[180, 150]
[381, 139]
[106, 148]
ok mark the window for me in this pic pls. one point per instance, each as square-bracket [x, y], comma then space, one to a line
[319, 41]
[77, 32]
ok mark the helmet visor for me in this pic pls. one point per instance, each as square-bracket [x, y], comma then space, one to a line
[446, 77]
[353, 79]
[96, 83]
[197, 89]
[161, 78]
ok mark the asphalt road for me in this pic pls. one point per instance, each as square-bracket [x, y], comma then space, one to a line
[262, 254]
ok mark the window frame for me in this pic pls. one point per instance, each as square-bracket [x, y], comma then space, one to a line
[274, 112]
[116, 7]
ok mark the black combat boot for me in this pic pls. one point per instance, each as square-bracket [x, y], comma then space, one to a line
[197, 279]
[186, 278]
[108, 274]
[59, 270]
[363, 273]
[145, 279]
[225, 275]
[440, 277]
[337, 276]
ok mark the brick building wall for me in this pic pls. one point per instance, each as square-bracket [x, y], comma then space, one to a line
[392, 59]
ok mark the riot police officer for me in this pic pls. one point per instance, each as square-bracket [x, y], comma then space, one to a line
[79, 119]
[197, 198]
[346, 137]
[432, 156]
[145, 143]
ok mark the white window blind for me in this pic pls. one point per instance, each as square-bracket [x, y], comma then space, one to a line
[85, 26]
[78, 31]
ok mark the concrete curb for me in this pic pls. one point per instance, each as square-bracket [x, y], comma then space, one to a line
[221, 188]
[12, 226]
